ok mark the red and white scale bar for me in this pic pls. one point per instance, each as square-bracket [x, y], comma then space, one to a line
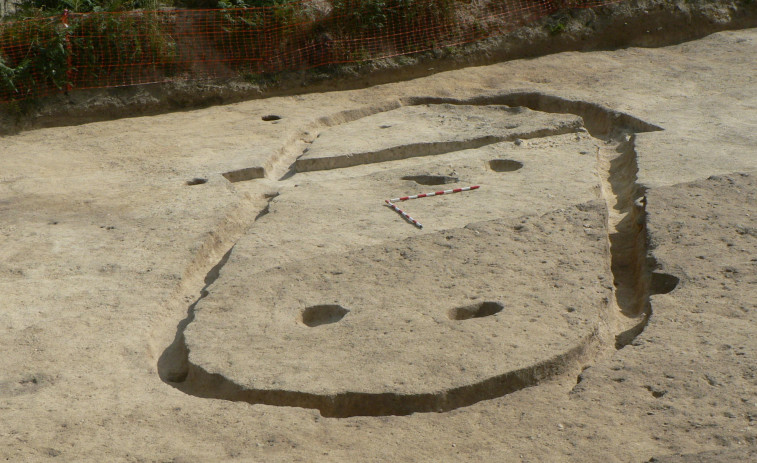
[436, 193]
[406, 216]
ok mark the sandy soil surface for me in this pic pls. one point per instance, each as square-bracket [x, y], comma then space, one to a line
[181, 288]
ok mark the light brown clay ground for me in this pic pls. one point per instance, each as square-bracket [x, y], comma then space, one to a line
[621, 255]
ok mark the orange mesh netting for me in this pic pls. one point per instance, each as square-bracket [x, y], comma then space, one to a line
[42, 56]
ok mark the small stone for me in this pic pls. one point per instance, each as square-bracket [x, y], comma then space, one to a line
[518, 142]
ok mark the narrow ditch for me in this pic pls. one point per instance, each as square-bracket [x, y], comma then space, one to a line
[634, 282]
[173, 364]
[198, 382]
[279, 165]
[627, 235]
[600, 121]
[414, 150]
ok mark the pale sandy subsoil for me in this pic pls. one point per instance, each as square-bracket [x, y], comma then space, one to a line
[155, 309]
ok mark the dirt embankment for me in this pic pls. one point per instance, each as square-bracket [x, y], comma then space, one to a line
[646, 23]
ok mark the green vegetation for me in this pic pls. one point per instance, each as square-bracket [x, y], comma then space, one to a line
[43, 50]
[36, 8]
[374, 15]
[557, 24]
[43, 53]
[42, 65]
[107, 47]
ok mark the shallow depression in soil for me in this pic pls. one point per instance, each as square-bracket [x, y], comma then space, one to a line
[431, 179]
[504, 165]
[480, 310]
[318, 315]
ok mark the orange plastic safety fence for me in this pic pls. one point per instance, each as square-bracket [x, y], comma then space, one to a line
[43, 56]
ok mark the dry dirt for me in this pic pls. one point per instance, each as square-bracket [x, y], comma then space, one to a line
[220, 284]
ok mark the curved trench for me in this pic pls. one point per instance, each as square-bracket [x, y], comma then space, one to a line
[630, 263]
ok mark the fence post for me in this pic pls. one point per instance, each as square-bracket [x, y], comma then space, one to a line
[67, 39]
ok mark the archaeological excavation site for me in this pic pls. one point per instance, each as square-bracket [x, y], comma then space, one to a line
[379, 231]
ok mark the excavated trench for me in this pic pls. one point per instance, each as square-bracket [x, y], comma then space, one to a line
[631, 265]
[421, 149]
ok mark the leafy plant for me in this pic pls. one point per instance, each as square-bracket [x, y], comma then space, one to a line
[8, 76]
[48, 7]
[557, 24]
[361, 15]
[372, 15]
[33, 58]
[108, 48]
[415, 25]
